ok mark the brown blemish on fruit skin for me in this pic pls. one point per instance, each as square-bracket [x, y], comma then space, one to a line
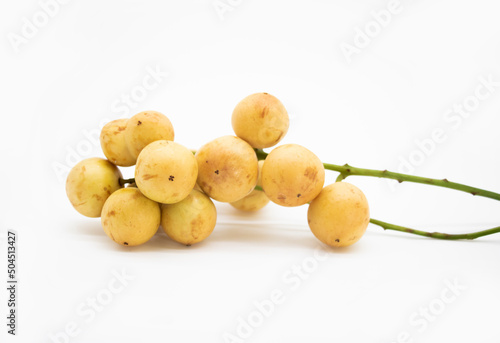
[171, 178]
[337, 240]
[125, 243]
[281, 197]
[196, 223]
[311, 173]
[217, 172]
[139, 122]
[119, 129]
[111, 213]
[97, 197]
[149, 176]
[264, 112]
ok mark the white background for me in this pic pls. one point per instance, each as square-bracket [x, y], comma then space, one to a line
[370, 112]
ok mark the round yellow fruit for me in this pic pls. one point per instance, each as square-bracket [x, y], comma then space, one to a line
[227, 168]
[166, 171]
[114, 145]
[147, 127]
[254, 201]
[292, 175]
[129, 218]
[339, 215]
[261, 120]
[191, 220]
[90, 183]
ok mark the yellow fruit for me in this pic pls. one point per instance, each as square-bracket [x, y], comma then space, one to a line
[129, 218]
[227, 168]
[166, 171]
[114, 145]
[261, 120]
[292, 175]
[190, 220]
[254, 201]
[339, 215]
[147, 127]
[90, 183]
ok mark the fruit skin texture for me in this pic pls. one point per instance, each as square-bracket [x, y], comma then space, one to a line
[261, 120]
[190, 220]
[227, 168]
[292, 175]
[166, 171]
[254, 201]
[339, 215]
[90, 183]
[114, 145]
[129, 218]
[147, 127]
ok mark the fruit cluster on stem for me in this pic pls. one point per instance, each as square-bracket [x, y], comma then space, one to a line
[174, 186]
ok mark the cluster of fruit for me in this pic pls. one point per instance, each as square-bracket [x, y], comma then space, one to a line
[174, 186]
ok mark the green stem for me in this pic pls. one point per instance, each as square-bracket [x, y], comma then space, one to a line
[261, 154]
[123, 182]
[340, 177]
[347, 170]
[438, 235]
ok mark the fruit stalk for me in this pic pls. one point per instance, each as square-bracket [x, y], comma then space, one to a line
[437, 235]
[347, 170]
[123, 182]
